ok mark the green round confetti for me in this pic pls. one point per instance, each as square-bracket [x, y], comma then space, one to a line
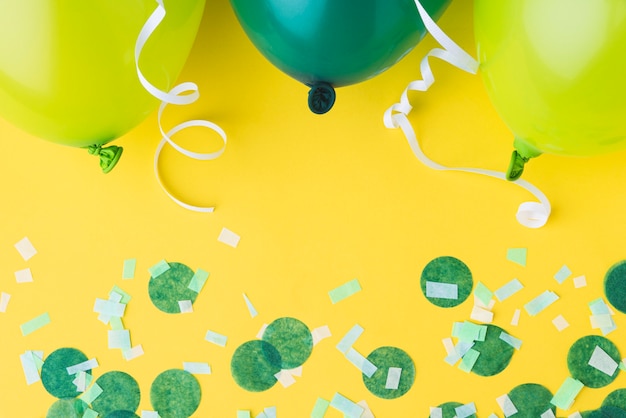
[171, 287]
[615, 286]
[120, 392]
[607, 412]
[578, 360]
[616, 398]
[175, 393]
[531, 400]
[67, 408]
[384, 358]
[448, 270]
[54, 372]
[254, 365]
[122, 414]
[292, 339]
[495, 353]
[448, 409]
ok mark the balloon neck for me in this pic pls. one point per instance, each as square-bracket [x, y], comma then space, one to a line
[321, 97]
[521, 155]
[109, 156]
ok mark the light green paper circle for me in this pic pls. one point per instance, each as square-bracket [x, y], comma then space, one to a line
[54, 372]
[67, 408]
[171, 287]
[254, 365]
[495, 353]
[531, 400]
[578, 360]
[120, 393]
[175, 393]
[384, 358]
[293, 340]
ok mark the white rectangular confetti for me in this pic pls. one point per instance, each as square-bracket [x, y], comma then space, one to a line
[548, 414]
[541, 302]
[481, 315]
[24, 276]
[350, 338]
[442, 290]
[285, 378]
[562, 274]
[228, 237]
[25, 248]
[363, 364]
[215, 338]
[575, 415]
[506, 405]
[367, 412]
[185, 306]
[119, 339]
[508, 290]
[149, 414]
[560, 323]
[393, 378]
[31, 373]
[320, 333]
[261, 332]
[436, 412]
[110, 308]
[515, 319]
[197, 367]
[511, 340]
[4, 301]
[466, 410]
[600, 360]
[133, 353]
[580, 281]
[83, 367]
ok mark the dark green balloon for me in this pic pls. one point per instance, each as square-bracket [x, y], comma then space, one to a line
[335, 42]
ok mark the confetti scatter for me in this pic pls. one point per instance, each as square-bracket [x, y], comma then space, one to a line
[25, 248]
[168, 287]
[590, 360]
[601, 316]
[228, 237]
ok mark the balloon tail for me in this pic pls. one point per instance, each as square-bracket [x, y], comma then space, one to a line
[516, 166]
[321, 98]
[109, 156]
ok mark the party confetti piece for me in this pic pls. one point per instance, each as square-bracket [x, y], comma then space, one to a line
[541, 302]
[560, 323]
[506, 405]
[251, 308]
[159, 268]
[346, 406]
[350, 338]
[90, 413]
[24, 276]
[508, 290]
[436, 412]
[600, 360]
[270, 412]
[151, 414]
[466, 410]
[185, 306]
[481, 315]
[198, 280]
[442, 290]
[31, 372]
[515, 319]
[562, 275]
[25, 248]
[80, 381]
[364, 365]
[35, 324]
[511, 340]
[344, 291]
[483, 294]
[320, 334]
[215, 338]
[133, 353]
[197, 368]
[128, 272]
[580, 281]
[320, 408]
[119, 339]
[119, 295]
[91, 394]
[109, 308]
[367, 412]
[565, 396]
[242, 414]
[393, 378]
[285, 378]
[469, 360]
[517, 255]
[228, 237]
[548, 414]
[575, 415]
[4, 301]
[83, 367]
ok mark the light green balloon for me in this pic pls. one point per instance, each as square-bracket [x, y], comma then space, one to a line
[67, 69]
[555, 72]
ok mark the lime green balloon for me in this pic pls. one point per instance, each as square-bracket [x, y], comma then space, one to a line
[334, 43]
[555, 72]
[67, 69]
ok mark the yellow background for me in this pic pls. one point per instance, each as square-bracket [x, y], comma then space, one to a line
[317, 201]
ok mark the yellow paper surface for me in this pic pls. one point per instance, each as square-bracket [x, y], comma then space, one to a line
[317, 201]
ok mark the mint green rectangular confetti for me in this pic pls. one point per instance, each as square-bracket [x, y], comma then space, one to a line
[471, 332]
[90, 413]
[243, 414]
[599, 307]
[125, 296]
[541, 302]
[116, 323]
[517, 255]
[346, 406]
[128, 272]
[109, 308]
[565, 396]
[215, 338]
[344, 291]
[364, 365]
[483, 293]
[91, 394]
[198, 280]
[508, 290]
[34, 324]
[159, 268]
[562, 274]
[511, 340]
[320, 408]
[270, 412]
[119, 339]
[468, 360]
[350, 338]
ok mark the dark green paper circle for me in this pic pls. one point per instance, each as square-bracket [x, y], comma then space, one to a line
[578, 358]
[175, 393]
[170, 287]
[120, 393]
[531, 400]
[384, 358]
[615, 286]
[67, 408]
[122, 414]
[606, 412]
[254, 365]
[448, 409]
[495, 353]
[292, 339]
[450, 270]
[54, 372]
[616, 398]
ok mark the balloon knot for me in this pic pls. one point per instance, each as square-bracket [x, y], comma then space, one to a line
[516, 166]
[109, 156]
[321, 98]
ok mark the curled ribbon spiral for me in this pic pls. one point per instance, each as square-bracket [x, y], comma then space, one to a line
[529, 214]
[182, 94]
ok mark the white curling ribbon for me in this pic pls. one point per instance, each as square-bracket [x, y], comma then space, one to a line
[182, 94]
[529, 214]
